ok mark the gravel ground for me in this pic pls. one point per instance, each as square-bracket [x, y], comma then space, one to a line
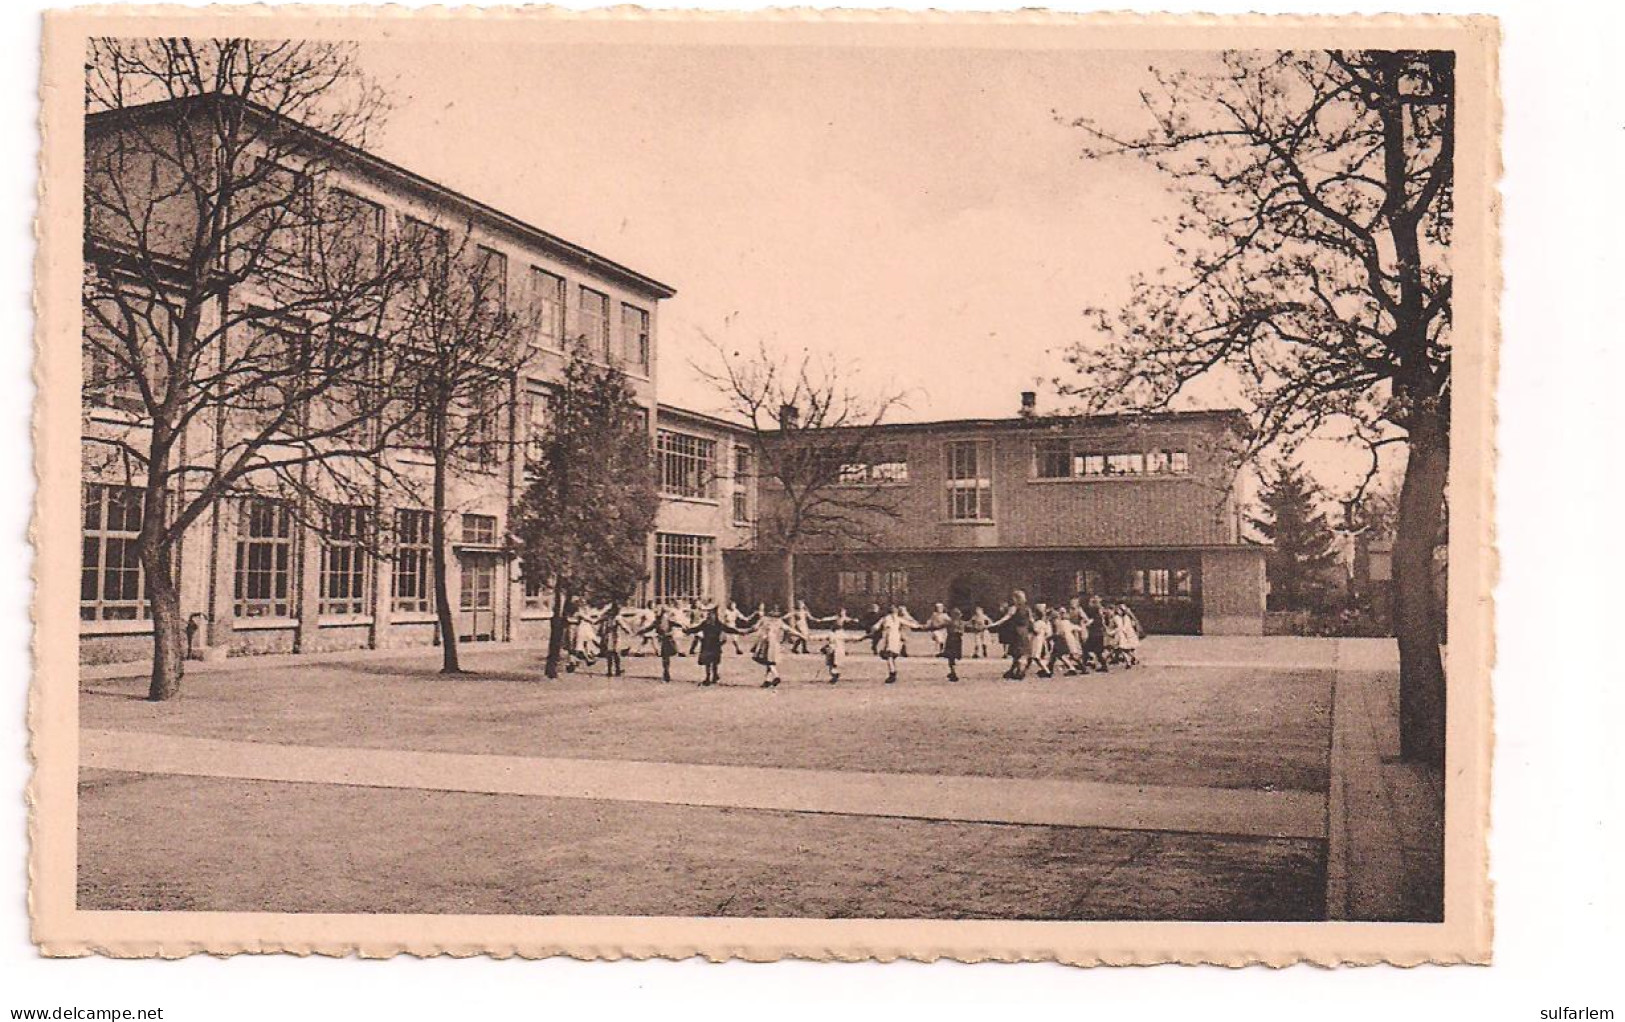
[1205, 726]
[181, 843]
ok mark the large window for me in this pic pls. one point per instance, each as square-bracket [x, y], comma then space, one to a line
[479, 530]
[889, 586]
[635, 336]
[1052, 459]
[346, 569]
[593, 319]
[970, 481]
[264, 574]
[883, 463]
[537, 412]
[687, 465]
[113, 369]
[1069, 459]
[682, 567]
[547, 290]
[485, 435]
[742, 484]
[111, 584]
[357, 229]
[1130, 463]
[414, 541]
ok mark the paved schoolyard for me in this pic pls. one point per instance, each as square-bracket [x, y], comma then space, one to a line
[901, 813]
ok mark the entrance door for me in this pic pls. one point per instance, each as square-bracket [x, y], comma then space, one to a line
[477, 610]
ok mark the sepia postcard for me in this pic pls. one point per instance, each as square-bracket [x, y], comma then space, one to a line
[822, 484]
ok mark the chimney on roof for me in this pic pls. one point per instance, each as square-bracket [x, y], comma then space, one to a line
[789, 416]
[1029, 403]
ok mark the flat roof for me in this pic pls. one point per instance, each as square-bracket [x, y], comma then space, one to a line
[1039, 422]
[567, 250]
[702, 418]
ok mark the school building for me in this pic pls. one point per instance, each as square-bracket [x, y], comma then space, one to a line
[255, 578]
[1133, 509]
[1139, 508]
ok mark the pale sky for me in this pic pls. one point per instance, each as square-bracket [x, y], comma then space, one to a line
[921, 214]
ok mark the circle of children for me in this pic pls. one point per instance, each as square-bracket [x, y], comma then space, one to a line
[1081, 637]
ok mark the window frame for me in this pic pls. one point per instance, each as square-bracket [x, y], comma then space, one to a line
[636, 345]
[600, 339]
[345, 539]
[979, 485]
[414, 548]
[694, 559]
[102, 536]
[279, 546]
[701, 462]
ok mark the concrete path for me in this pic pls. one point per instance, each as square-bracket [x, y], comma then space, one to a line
[1220, 811]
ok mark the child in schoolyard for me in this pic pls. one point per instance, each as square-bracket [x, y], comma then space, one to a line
[834, 648]
[1129, 632]
[1066, 646]
[583, 624]
[638, 620]
[1094, 644]
[976, 625]
[937, 625]
[888, 634]
[611, 630]
[1042, 634]
[1015, 629]
[953, 641]
[694, 617]
[710, 632]
[800, 622]
[735, 619]
[663, 630]
[771, 632]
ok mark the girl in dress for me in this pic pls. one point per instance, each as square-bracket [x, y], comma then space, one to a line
[1094, 645]
[611, 630]
[977, 626]
[800, 622]
[1067, 646]
[1128, 634]
[663, 629]
[888, 635]
[834, 648]
[937, 625]
[710, 632]
[771, 631]
[583, 638]
[1042, 634]
[953, 642]
[1015, 630]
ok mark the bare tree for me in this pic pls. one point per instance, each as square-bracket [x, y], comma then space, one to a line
[462, 345]
[235, 306]
[820, 452]
[1311, 268]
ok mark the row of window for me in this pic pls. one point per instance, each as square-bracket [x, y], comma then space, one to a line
[551, 298]
[265, 568]
[857, 587]
[969, 470]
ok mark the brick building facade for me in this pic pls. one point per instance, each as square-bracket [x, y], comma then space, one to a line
[1138, 508]
[252, 578]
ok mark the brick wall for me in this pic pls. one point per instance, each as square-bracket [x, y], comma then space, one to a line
[1124, 511]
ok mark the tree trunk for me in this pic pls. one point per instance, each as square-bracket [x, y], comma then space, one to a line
[789, 580]
[556, 630]
[1416, 618]
[168, 628]
[442, 597]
